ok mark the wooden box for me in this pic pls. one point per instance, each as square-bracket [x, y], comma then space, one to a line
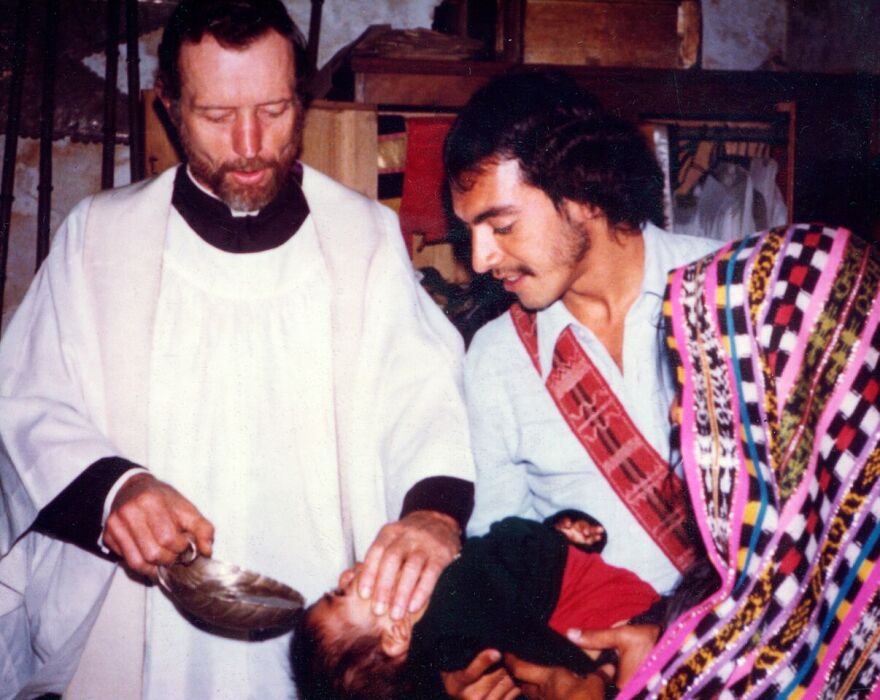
[632, 33]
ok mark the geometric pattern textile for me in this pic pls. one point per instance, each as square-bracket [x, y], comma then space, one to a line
[777, 342]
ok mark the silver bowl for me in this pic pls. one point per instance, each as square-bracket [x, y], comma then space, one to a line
[227, 597]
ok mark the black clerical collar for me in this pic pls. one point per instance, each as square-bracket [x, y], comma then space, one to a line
[212, 220]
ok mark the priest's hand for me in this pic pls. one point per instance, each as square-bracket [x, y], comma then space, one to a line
[150, 523]
[554, 682]
[483, 679]
[631, 642]
[403, 564]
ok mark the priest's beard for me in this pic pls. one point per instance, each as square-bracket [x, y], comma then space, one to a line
[237, 196]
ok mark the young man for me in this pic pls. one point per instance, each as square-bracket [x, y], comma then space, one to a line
[238, 344]
[569, 393]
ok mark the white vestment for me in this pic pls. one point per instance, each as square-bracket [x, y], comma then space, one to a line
[294, 395]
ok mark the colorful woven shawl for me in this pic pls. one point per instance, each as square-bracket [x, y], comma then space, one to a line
[778, 343]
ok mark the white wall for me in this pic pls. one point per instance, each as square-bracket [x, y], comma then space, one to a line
[826, 36]
[743, 34]
[345, 20]
[342, 22]
[76, 173]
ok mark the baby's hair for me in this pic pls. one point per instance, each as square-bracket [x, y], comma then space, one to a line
[352, 666]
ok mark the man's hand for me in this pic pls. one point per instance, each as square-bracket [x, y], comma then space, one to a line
[478, 682]
[632, 643]
[149, 524]
[554, 682]
[406, 559]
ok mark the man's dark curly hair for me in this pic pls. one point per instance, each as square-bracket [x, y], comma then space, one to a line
[233, 23]
[566, 145]
[352, 667]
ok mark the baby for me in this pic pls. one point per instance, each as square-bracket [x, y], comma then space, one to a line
[516, 589]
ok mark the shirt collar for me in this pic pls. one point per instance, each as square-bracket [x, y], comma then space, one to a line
[215, 223]
[658, 261]
[233, 212]
[553, 320]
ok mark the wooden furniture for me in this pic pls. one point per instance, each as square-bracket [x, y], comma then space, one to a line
[340, 140]
[599, 32]
[838, 116]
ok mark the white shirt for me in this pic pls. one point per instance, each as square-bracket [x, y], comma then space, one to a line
[529, 463]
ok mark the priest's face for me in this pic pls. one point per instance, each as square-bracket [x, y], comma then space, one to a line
[238, 117]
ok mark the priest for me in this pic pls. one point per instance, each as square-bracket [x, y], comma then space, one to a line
[235, 353]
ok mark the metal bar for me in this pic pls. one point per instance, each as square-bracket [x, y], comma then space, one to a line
[674, 162]
[513, 23]
[47, 131]
[108, 153]
[11, 144]
[764, 119]
[135, 141]
[790, 109]
[314, 37]
[710, 133]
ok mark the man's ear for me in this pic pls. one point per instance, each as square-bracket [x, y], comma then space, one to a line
[582, 211]
[161, 94]
[396, 638]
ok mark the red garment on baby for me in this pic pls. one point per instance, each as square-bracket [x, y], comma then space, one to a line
[595, 594]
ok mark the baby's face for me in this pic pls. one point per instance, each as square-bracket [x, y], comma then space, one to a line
[339, 610]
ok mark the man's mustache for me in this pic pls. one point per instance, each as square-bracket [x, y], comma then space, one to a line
[248, 165]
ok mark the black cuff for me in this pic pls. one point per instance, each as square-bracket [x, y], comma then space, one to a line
[445, 494]
[75, 514]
